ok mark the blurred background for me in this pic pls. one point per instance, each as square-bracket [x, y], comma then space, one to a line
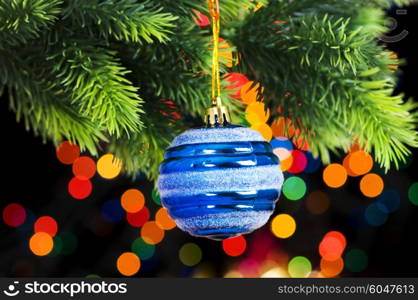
[65, 214]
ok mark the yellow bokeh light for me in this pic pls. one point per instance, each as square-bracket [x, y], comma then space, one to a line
[264, 130]
[283, 226]
[108, 166]
[190, 254]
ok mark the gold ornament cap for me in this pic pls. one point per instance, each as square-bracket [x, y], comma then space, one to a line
[217, 116]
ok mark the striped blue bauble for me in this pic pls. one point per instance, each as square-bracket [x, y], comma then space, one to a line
[220, 182]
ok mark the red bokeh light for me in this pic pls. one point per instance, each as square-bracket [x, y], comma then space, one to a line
[84, 168]
[79, 189]
[299, 162]
[67, 152]
[139, 218]
[234, 246]
[14, 214]
[46, 224]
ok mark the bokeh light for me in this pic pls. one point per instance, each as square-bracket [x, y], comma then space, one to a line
[317, 202]
[84, 168]
[14, 214]
[29, 221]
[281, 142]
[132, 200]
[347, 167]
[335, 175]
[356, 260]
[151, 233]
[67, 152]
[164, 220]
[331, 268]
[79, 189]
[282, 148]
[264, 130]
[294, 188]
[313, 163]
[299, 162]
[234, 246]
[46, 224]
[143, 250]
[128, 264]
[41, 243]
[190, 254]
[236, 80]
[413, 193]
[286, 163]
[299, 267]
[108, 166]
[332, 246]
[58, 246]
[390, 199]
[360, 162]
[112, 211]
[339, 236]
[283, 226]
[248, 94]
[139, 218]
[376, 214]
[156, 197]
[69, 242]
[371, 185]
[200, 19]
[255, 113]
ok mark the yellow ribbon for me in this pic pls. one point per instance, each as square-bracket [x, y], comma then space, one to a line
[216, 80]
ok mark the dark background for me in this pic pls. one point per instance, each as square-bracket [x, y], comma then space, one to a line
[32, 176]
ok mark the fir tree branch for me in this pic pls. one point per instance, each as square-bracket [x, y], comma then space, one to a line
[334, 61]
[41, 106]
[97, 83]
[23, 20]
[145, 150]
[123, 20]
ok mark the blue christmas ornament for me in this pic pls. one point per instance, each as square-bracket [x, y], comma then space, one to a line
[219, 182]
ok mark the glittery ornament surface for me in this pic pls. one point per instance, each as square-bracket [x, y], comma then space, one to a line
[220, 182]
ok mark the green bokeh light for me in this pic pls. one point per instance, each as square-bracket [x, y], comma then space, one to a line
[294, 188]
[69, 242]
[413, 193]
[356, 260]
[299, 267]
[156, 197]
[58, 245]
[142, 249]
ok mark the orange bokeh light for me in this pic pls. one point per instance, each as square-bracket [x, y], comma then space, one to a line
[335, 175]
[164, 220]
[132, 200]
[46, 224]
[128, 264]
[331, 268]
[41, 243]
[151, 233]
[371, 185]
[360, 162]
